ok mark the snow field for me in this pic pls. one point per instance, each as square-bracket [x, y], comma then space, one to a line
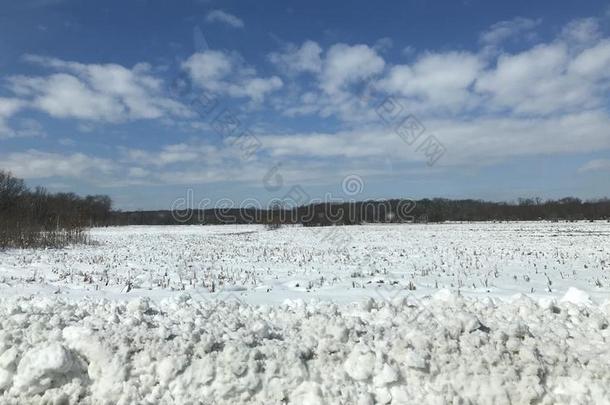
[338, 263]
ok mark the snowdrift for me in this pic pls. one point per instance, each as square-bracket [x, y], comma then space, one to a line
[440, 349]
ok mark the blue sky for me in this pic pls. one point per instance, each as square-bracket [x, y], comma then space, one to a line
[143, 100]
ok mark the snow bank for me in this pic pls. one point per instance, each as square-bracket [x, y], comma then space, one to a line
[442, 350]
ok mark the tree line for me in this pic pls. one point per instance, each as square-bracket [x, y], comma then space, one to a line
[37, 218]
[386, 211]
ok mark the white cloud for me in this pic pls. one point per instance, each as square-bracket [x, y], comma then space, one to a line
[65, 96]
[549, 78]
[504, 30]
[408, 51]
[488, 140]
[548, 99]
[345, 64]
[215, 174]
[468, 142]
[560, 76]
[336, 74]
[256, 88]
[227, 74]
[8, 107]
[438, 79]
[107, 92]
[595, 165]
[383, 44]
[188, 163]
[582, 31]
[593, 63]
[182, 163]
[33, 164]
[208, 68]
[347, 144]
[171, 154]
[305, 58]
[436, 83]
[568, 74]
[528, 82]
[224, 17]
[138, 172]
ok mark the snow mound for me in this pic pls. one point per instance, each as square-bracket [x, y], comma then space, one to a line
[577, 297]
[43, 366]
[187, 351]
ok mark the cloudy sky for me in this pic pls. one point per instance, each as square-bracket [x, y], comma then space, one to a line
[145, 99]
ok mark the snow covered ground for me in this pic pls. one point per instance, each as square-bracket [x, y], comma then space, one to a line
[339, 263]
[483, 313]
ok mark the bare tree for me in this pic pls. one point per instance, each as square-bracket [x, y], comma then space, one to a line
[40, 219]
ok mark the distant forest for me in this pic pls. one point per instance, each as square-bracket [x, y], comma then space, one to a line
[386, 211]
[37, 218]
